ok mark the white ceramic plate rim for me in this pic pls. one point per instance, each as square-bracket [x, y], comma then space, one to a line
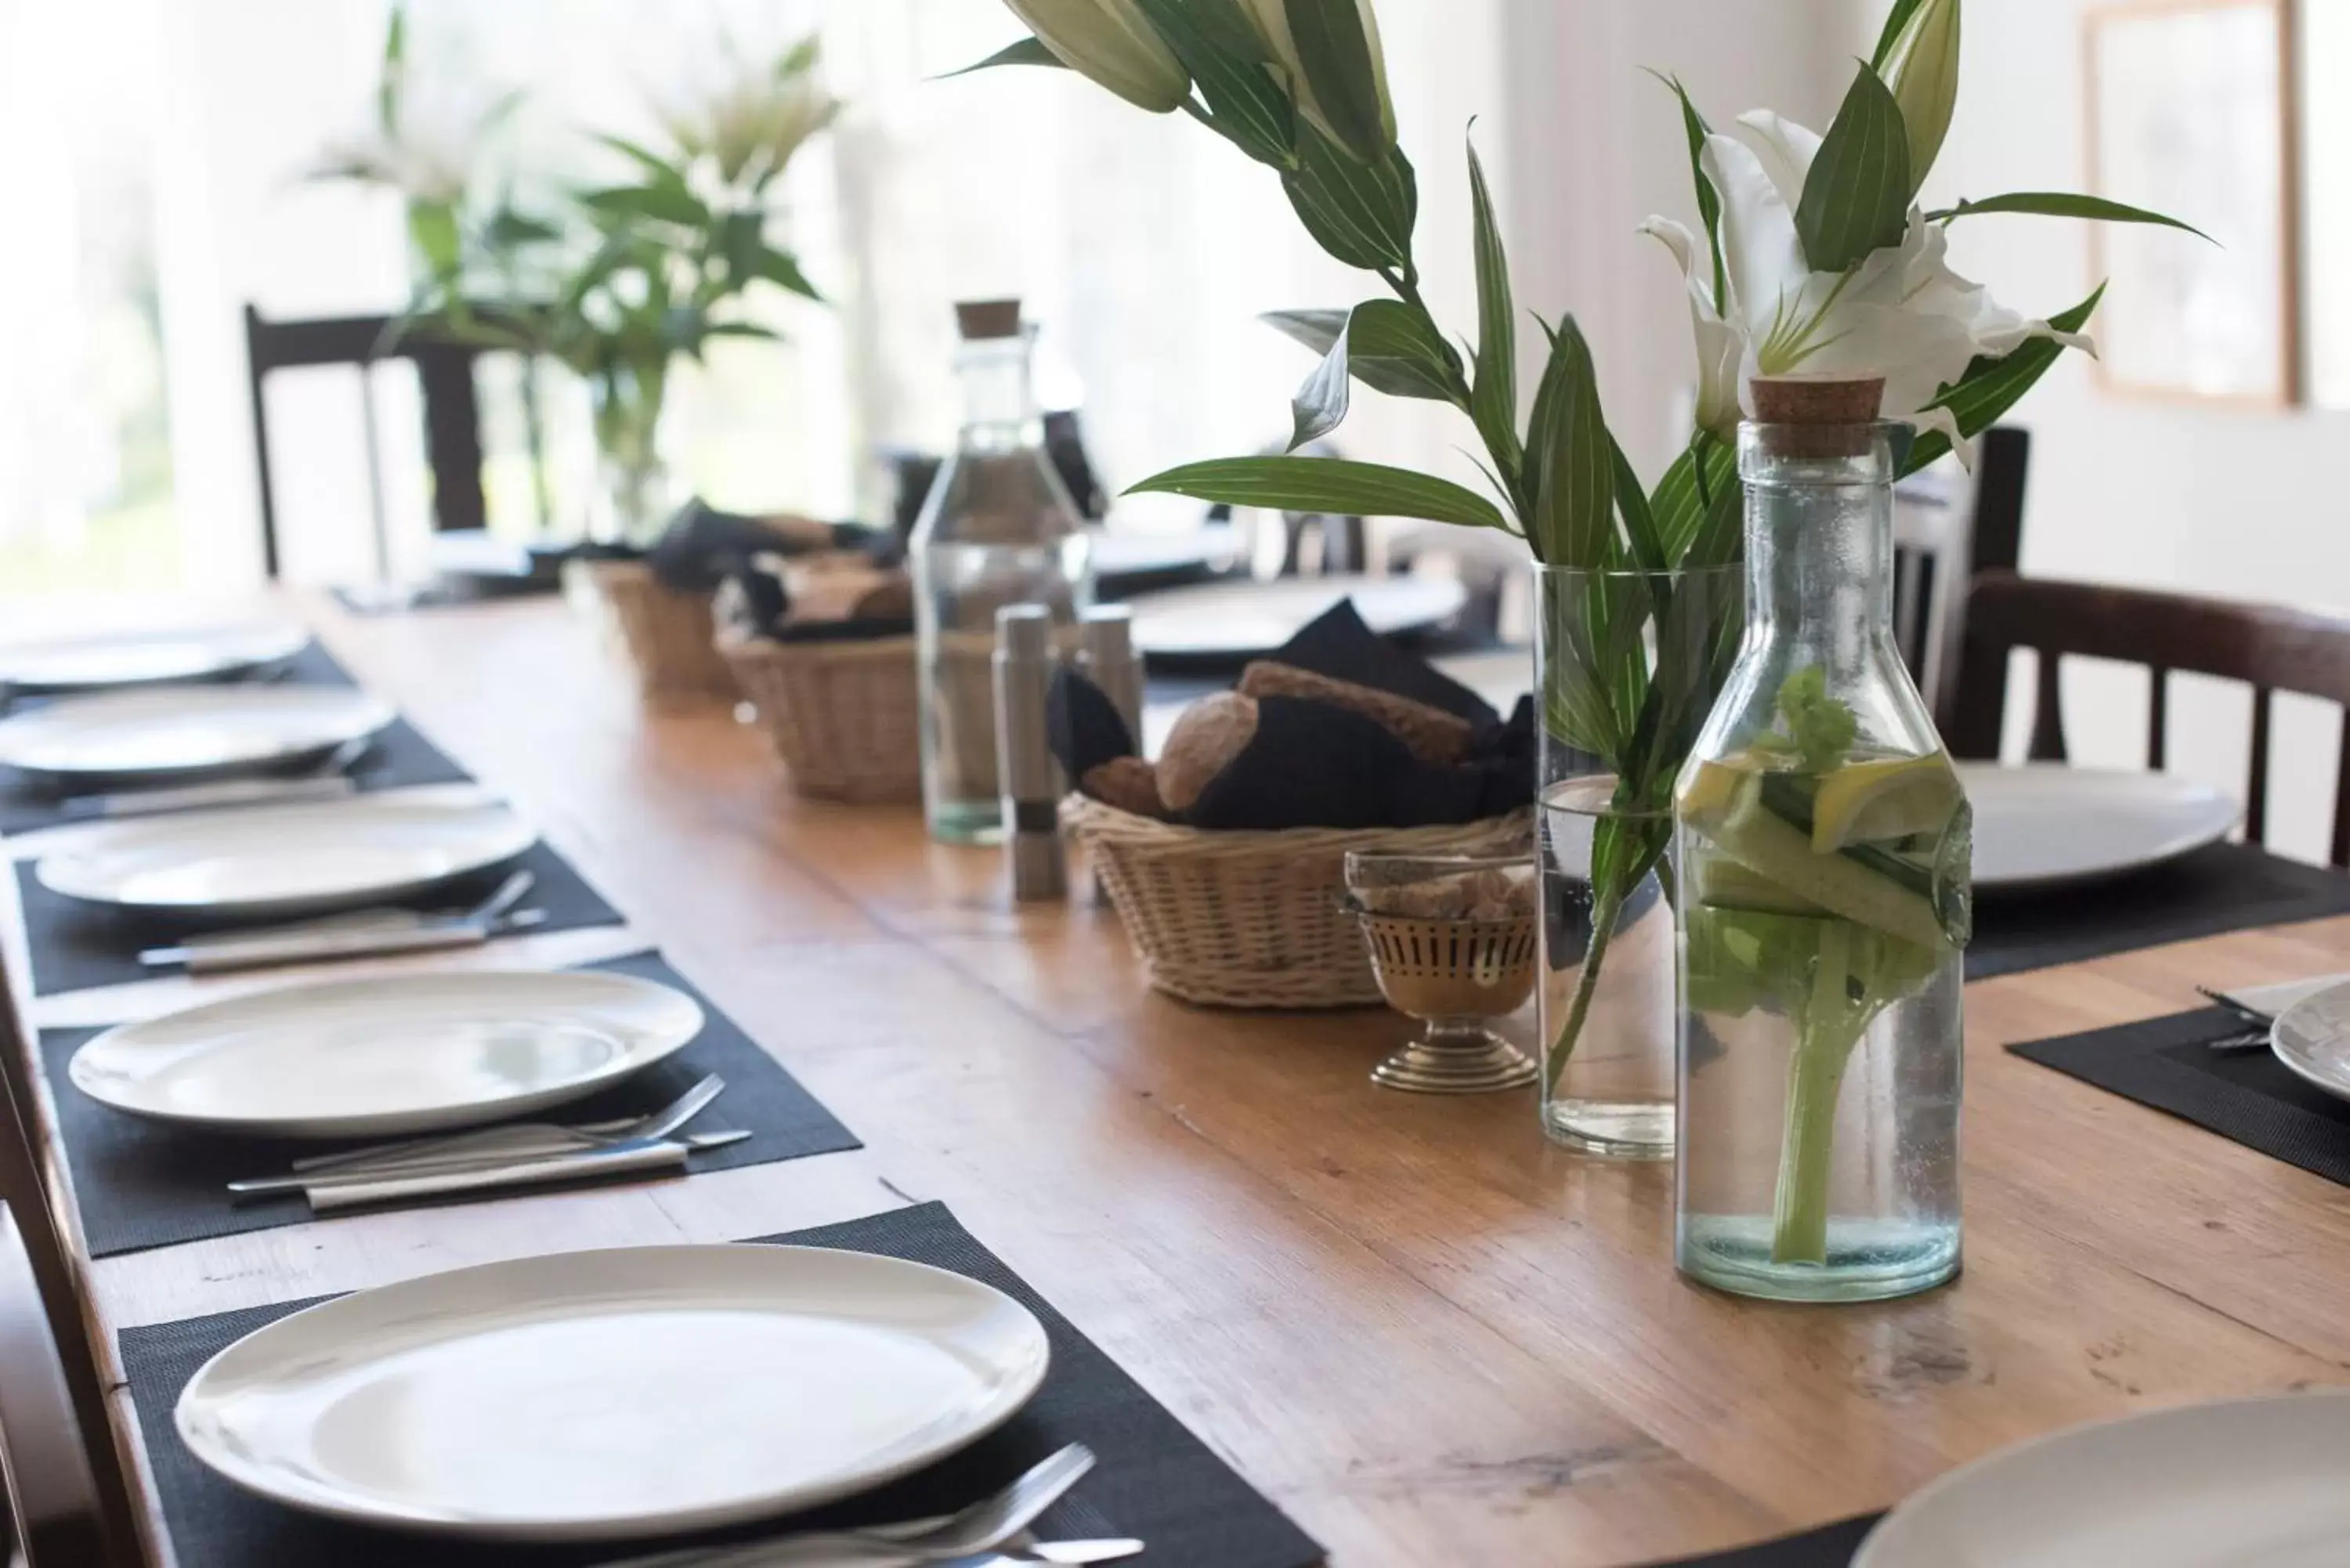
[234, 650]
[80, 874]
[1876, 1551]
[326, 717]
[401, 1310]
[2223, 814]
[577, 993]
[2294, 1061]
[1385, 605]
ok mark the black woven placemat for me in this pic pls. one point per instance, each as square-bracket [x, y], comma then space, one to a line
[400, 757]
[140, 1184]
[2246, 1097]
[2224, 888]
[1832, 1546]
[1154, 1481]
[76, 946]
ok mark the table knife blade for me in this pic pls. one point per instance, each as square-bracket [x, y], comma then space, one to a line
[618, 1159]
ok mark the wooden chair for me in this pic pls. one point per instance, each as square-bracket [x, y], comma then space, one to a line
[1941, 542]
[53, 1497]
[40, 1312]
[453, 415]
[2268, 647]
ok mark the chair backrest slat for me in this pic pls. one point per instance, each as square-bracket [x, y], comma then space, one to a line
[2268, 647]
[52, 1495]
[2048, 710]
[2158, 718]
[445, 371]
[2256, 786]
[47, 1283]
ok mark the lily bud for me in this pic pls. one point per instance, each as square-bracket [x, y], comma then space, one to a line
[1112, 43]
[1351, 107]
[1922, 69]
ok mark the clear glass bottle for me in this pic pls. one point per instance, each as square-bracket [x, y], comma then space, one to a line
[1821, 841]
[997, 529]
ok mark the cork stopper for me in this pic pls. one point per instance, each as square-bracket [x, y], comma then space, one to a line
[1818, 416]
[983, 319]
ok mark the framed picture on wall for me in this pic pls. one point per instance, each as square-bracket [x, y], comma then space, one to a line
[2192, 112]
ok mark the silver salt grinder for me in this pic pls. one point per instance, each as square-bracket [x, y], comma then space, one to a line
[1031, 778]
[1105, 656]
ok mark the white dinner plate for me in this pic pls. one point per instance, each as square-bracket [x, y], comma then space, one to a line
[2312, 1038]
[2046, 824]
[613, 1395]
[1137, 553]
[2257, 1483]
[188, 732]
[1237, 620]
[288, 859]
[380, 1058]
[90, 664]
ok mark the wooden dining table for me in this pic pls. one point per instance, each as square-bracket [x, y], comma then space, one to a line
[1427, 1333]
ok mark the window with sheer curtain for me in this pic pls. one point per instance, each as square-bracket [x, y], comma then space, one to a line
[1144, 247]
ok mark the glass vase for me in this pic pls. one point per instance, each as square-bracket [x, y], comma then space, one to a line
[1822, 854]
[998, 528]
[1627, 664]
[635, 497]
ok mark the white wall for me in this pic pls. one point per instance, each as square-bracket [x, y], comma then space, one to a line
[2199, 497]
[1597, 145]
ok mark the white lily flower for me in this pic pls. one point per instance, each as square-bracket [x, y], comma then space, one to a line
[1922, 70]
[1901, 313]
[758, 117]
[1272, 20]
[1114, 44]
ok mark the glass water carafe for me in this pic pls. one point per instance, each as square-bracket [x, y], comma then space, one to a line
[1822, 849]
[997, 529]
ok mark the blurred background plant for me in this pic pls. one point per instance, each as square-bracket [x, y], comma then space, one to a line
[613, 282]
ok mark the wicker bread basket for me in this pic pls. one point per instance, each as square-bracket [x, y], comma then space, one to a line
[668, 635]
[1255, 920]
[844, 716]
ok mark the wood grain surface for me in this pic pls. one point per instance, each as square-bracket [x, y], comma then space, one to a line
[1432, 1337]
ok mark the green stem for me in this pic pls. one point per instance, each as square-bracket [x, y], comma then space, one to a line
[1825, 1034]
[1605, 907]
[1799, 1232]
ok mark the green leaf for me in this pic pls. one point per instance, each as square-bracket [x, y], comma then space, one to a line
[1722, 531]
[1708, 200]
[433, 226]
[1028, 51]
[1320, 405]
[1856, 198]
[1494, 404]
[1391, 346]
[1335, 56]
[1639, 522]
[668, 202]
[509, 228]
[1246, 104]
[1571, 471]
[1327, 485]
[1979, 398]
[637, 152]
[394, 72]
[779, 267]
[1362, 213]
[1894, 21]
[2063, 204]
[1683, 497]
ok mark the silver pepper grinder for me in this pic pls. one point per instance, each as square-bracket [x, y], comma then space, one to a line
[1105, 656]
[1024, 763]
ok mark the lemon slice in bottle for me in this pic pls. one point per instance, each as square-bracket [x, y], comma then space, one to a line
[1883, 799]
